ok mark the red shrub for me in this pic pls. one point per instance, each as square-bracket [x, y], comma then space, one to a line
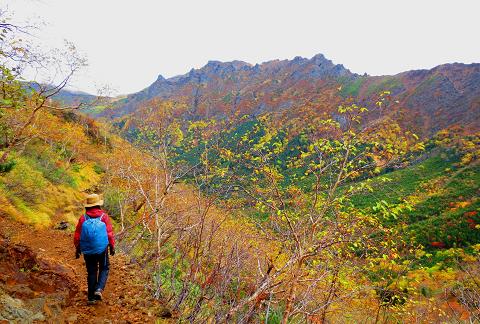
[437, 244]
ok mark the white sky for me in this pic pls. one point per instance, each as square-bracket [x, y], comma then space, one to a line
[128, 43]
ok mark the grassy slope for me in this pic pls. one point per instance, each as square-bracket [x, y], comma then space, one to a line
[32, 194]
[51, 177]
[443, 196]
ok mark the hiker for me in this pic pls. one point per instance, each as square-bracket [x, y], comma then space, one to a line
[93, 236]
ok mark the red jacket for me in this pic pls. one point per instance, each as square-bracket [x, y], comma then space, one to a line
[94, 212]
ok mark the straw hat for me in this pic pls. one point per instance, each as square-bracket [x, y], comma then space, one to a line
[93, 200]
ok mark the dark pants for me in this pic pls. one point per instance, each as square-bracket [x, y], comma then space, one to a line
[97, 272]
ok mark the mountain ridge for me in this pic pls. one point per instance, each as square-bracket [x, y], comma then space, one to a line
[257, 66]
[429, 99]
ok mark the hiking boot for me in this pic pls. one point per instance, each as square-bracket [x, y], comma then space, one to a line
[91, 302]
[98, 295]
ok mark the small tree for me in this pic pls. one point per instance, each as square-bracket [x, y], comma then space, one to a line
[22, 100]
[302, 183]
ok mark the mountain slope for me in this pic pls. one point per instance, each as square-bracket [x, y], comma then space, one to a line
[223, 89]
[428, 100]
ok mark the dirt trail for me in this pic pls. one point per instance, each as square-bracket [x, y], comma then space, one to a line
[53, 261]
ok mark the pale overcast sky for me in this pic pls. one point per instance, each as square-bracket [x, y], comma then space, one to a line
[128, 43]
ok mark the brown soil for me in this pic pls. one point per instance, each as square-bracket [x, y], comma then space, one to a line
[38, 266]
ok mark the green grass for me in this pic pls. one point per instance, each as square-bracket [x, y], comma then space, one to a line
[352, 88]
[24, 181]
[93, 111]
[440, 219]
[440, 215]
[425, 84]
[403, 182]
[387, 83]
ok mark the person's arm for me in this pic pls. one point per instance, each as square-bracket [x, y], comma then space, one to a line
[111, 239]
[76, 237]
[78, 232]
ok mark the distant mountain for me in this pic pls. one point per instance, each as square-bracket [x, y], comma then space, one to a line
[65, 96]
[429, 100]
[91, 105]
[221, 88]
[70, 97]
[433, 99]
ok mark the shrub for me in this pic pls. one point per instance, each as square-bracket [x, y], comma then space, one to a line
[46, 161]
[59, 176]
[111, 198]
[98, 169]
[7, 166]
[76, 167]
[25, 182]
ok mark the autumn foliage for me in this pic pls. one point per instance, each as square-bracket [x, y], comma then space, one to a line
[334, 213]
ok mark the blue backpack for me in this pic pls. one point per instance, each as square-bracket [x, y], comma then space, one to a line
[94, 238]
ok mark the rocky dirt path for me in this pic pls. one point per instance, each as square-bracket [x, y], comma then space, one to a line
[39, 267]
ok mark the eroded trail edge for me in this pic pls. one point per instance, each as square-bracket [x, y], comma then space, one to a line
[40, 280]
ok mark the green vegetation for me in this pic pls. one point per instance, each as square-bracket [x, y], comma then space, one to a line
[423, 191]
[426, 84]
[390, 83]
[352, 88]
[95, 110]
[39, 183]
[394, 186]
[7, 166]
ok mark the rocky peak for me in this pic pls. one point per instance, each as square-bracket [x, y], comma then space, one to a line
[160, 78]
[324, 67]
[320, 59]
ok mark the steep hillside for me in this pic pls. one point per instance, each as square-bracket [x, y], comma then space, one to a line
[428, 100]
[315, 202]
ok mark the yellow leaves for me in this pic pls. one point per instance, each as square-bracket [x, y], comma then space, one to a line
[466, 159]
[197, 125]
[463, 204]
[353, 111]
[469, 258]
[419, 253]
[271, 172]
[419, 147]
[175, 132]
[354, 174]
[226, 153]
[265, 139]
